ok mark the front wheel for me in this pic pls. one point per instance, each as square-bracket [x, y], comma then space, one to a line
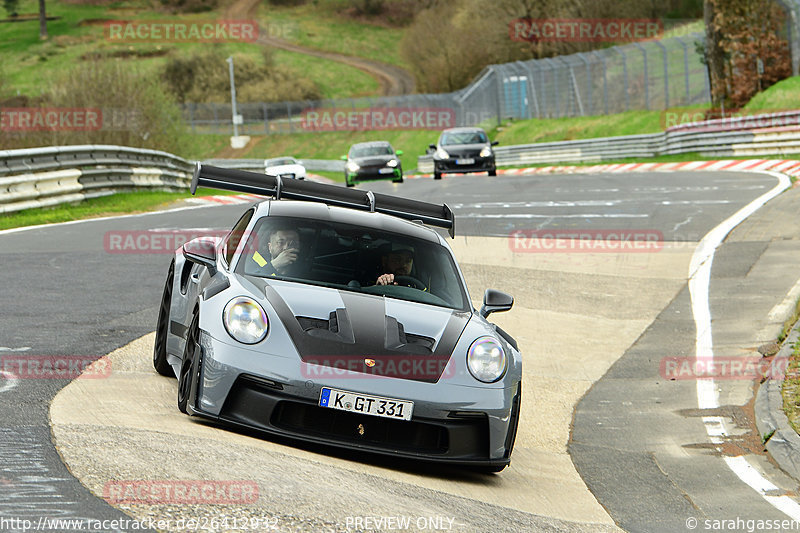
[347, 180]
[190, 366]
[162, 328]
[493, 172]
[437, 175]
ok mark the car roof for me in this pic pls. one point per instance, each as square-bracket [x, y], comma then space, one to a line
[372, 143]
[329, 213]
[464, 129]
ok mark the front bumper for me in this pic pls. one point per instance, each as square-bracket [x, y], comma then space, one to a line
[280, 395]
[450, 166]
[372, 174]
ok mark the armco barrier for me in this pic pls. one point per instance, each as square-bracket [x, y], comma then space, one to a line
[40, 177]
[707, 138]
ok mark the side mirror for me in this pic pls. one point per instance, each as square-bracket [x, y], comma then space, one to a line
[495, 143]
[202, 251]
[343, 158]
[399, 152]
[432, 147]
[494, 301]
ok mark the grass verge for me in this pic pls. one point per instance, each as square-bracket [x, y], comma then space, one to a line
[115, 204]
[791, 389]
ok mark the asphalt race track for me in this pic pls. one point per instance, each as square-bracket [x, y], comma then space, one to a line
[594, 329]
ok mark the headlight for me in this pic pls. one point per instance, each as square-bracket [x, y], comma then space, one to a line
[486, 152]
[245, 320]
[486, 360]
[441, 154]
[352, 166]
[392, 163]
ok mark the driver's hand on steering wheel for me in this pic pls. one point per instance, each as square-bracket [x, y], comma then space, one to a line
[386, 279]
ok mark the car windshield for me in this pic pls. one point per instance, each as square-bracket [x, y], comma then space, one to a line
[352, 258]
[464, 137]
[280, 161]
[367, 151]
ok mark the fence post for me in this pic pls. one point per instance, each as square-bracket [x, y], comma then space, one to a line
[588, 82]
[666, 74]
[605, 79]
[534, 95]
[625, 75]
[686, 70]
[499, 78]
[646, 76]
[556, 92]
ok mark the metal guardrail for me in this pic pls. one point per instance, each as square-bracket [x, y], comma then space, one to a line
[703, 139]
[41, 177]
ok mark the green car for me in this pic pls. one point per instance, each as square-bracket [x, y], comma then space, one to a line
[371, 161]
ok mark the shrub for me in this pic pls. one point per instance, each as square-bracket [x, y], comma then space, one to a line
[204, 78]
[136, 110]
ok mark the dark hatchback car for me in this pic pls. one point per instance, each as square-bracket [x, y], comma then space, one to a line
[369, 161]
[463, 150]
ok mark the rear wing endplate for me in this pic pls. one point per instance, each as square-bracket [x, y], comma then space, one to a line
[439, 215]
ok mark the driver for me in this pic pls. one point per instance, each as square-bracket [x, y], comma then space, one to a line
[283, 246]
[398, 260]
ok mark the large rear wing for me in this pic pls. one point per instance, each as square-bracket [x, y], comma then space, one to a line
[265, 185]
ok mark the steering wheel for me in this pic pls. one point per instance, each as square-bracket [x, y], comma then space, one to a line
[409, 281]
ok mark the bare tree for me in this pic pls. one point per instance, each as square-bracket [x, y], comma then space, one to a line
[714, 53]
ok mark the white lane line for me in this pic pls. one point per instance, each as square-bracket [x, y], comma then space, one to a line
[101, 219]
[707, 394]
[8, 381]
[20, 349]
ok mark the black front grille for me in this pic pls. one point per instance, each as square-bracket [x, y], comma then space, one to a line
[356, 428]
[259, 404]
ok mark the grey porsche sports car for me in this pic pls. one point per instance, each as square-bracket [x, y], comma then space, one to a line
[340, 317]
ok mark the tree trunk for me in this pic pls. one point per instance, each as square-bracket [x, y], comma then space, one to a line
[42, 21]
[715, 55]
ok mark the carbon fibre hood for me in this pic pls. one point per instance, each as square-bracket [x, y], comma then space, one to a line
[366, 333]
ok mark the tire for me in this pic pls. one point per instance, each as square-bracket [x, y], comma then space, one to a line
[162, 328]
[187, 376]
[437, 175]
[493, 172]
[347, 181]
[399, 180]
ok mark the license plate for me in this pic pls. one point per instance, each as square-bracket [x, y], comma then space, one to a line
[386, 171]
[468, 161]
[366, 404]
